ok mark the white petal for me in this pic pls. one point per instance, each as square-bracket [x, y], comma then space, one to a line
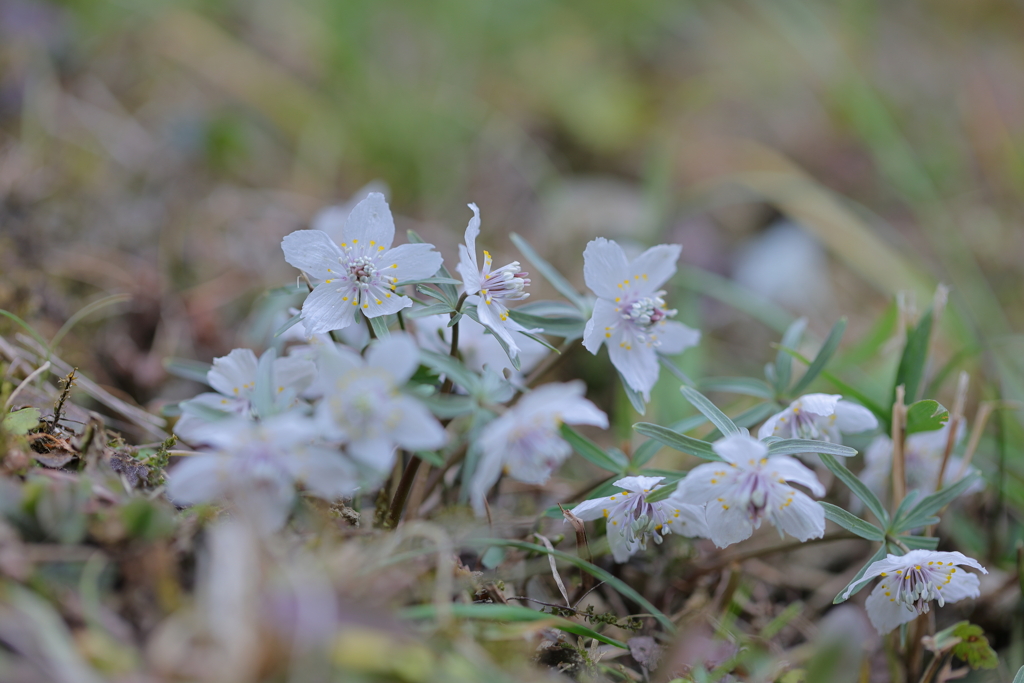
[638, 484]
[418, 429]
[740, 449]
[293, 373]
[621, 548]
[691, 520]
[488, 469]
[371, 220]
[727, 525]
[325, 308]
[325, 472]
[604, 267]
[199, 479]
[638, 364]
[962, 585]
[468, 264]
[879, 452]
[397, 355]
[792, 470]
[312, 252]
[772, 426]
[884, 612]
[601, 326]
[377, 454]
[413, 261]
[490, 317]
[675, 337]
[852, 418]
[233, 374]
[265, 506]
[582, 412]
[947, 557]
[704, 483]
[655, 266]
[817, 404]
[377, 302]
[802, 518]
[591, 509]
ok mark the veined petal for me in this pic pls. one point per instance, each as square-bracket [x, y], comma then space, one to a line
[411, 261]
[690, 520]
[490, 319]
[469, 270]
[675, 337]
[397, 355]
[884, 612]
[818, 404]
[704, 483]
[418, 430]
[637, 362]
[800, 517]
[961, 585]
[740, 449]
[792, 470]
[638, 484]
[605, 266]
[582, 412]
[312, 252]
[852, 418]
[772, 425]
[233, 374]
[371, 220]
[654, 267]
[727, 524]
[293, 373]
[329, 307]
[377, 302]
[601, 326]
[592, 509]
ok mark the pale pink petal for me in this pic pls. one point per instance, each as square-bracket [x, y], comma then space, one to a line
[772, 425]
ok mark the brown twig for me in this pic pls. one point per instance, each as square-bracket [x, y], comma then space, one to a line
[899, 472]
[954, 425]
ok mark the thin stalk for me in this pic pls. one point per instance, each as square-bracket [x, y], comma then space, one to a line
[401, 321]
[369, 327]
[899, 471]
[409, 475]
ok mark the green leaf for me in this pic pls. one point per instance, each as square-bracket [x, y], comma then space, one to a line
[432, 309]
[919, 542]
[710, 411]
[448, 289]
[292, 322]
[973, 647]
[263, 394]
[513, 613]
[25, 326]
[431, 457]
[879, 555]
[450, 367]
[747, 386]
[915, 354]
[379, 324]
[680, 442]
[430, 281]
[565, 327]
[447, 406]
[790, 446]
[635, 399]
[846, 389]
[21, 422]
[828, 348]
[664, 491]
[852, 522]
[1019, 678]
[925, 416]
[857, 486]
[188, 369]
[549, 273]
[592, 452]
[434, 294]
[908, 502]
[783, 363]
[921, 514]
[597, 572]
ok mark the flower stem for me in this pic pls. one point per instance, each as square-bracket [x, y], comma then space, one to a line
[899, 472]
[448, 385]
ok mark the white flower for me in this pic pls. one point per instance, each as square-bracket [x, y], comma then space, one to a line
[632, 520]
[256, 466]
[630, 314]
[751, 486]
[331, 219]
[361, 272]
[235, 378]
[922, 456]
[821, 417]
[490, 290]
[525, 442]
[363, 408]
[910, 582]
[476, 347]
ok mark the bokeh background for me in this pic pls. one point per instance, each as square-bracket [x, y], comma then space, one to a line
[813, 158]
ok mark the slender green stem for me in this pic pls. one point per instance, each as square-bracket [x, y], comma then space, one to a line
[401, 321]
[449, 384]
[369, 327]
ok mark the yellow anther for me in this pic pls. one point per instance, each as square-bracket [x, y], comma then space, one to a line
[328, 281]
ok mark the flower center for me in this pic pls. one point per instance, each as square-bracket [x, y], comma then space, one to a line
[362, 270]
[647, 311]
[508, 282]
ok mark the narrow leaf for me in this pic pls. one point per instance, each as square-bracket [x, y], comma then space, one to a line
[919, 542]
[188, 369]
[635, 399]
[915, 355]
[432, 309]
[292, 322]
[710, 411]
[570, 327]
[680, 442]
[379, 324]
[828, 348]
[852, 522]
[747, 386]
[783, 363]
[450, 367]
[922, 512]
[879, 555]
[790, 446]
[430, 281]
[857, 486]
[25, 326]
[592, 452]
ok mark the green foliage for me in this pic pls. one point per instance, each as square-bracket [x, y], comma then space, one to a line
[611, 461]
[925, 416]
[915, 355]
[973, 647]
[21, 422]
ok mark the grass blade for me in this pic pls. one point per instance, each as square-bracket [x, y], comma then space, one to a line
[857, 486]
[680, 442]
[592, 452]
[710, 411]
[825, 353]
[852, 522]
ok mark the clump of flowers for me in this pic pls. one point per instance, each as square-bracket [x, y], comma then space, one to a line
[821, 417]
